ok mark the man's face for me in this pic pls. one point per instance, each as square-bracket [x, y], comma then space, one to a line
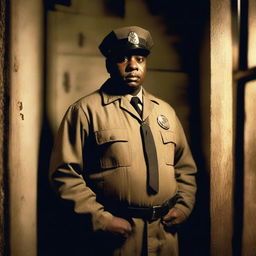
[129, 71]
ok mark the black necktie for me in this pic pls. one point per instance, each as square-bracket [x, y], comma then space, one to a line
[135, 103]
[149, 151]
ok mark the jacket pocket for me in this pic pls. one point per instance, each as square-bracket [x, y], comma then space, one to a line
[169, 143]
[113, 146]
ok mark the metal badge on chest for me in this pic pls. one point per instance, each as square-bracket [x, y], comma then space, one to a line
[163, 122]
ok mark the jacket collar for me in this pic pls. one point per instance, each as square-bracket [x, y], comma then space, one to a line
[108, 97]
[148, 100]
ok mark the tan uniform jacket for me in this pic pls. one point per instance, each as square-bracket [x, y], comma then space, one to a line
[98, 159]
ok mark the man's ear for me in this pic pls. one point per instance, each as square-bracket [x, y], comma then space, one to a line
[109, 65]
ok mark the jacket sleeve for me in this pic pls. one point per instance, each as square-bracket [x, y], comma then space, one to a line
[185, 172]
[66, 168]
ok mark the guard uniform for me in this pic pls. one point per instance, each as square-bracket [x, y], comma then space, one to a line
[98, 163]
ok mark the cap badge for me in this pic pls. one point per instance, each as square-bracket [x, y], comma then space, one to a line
[163, 122]
[133, 38]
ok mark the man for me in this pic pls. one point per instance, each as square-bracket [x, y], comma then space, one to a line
[124, 162]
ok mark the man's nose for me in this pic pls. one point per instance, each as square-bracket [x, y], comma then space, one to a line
[132, 64]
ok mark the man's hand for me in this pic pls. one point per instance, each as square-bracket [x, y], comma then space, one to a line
[173, 217]
[119, 226]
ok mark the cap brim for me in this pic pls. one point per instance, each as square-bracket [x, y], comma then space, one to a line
[130, 50]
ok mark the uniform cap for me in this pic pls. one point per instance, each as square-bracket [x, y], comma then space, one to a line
[126, 39]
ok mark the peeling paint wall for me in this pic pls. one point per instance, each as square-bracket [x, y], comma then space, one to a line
[26, 66]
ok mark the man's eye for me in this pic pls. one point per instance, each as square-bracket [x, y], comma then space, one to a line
[121, 59]
[140, 59]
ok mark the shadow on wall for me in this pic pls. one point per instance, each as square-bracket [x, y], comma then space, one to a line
[187, 20]
[60, 231]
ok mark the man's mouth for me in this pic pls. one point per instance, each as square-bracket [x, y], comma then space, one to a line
[132, 77]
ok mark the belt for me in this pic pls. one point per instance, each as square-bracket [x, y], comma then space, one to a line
[152, 212]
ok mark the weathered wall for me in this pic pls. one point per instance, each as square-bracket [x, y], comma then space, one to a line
[221, 128]
[218, 125]
[76, 69]
[26, 73]
[3, 124]
[249, 140]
